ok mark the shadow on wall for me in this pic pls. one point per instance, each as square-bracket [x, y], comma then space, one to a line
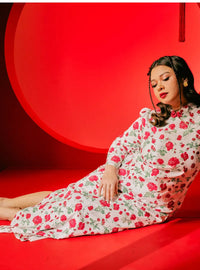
[23, 143]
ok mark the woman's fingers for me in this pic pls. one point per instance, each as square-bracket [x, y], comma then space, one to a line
[112, 192]
[100, 189]
[108, 191]
[108, 188]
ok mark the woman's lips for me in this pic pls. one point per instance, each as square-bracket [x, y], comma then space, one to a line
[163, 95]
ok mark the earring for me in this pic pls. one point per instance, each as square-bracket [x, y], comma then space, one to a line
[185, 83]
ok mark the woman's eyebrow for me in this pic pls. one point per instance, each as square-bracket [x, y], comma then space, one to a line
[161, 75]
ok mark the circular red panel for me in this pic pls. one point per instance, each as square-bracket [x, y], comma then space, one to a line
[79, 69]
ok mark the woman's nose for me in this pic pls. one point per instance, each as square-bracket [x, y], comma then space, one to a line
[160, 86]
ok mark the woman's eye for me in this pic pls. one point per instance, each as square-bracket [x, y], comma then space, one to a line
[154, 85]
[166, 79]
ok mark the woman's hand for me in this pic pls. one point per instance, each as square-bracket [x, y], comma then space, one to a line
[109, 183]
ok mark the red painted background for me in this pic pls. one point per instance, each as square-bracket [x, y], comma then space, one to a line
[79, 71]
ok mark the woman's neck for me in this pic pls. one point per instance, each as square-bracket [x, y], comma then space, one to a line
[178, 106]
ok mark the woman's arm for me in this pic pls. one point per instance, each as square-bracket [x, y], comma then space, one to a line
[119, 149]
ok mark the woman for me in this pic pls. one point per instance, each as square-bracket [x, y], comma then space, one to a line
[146, 176]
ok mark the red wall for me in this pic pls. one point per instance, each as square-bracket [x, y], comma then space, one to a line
[25, 143]
[22, 142]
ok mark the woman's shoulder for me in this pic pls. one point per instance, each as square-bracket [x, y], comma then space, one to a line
[193, 107]
[145, 112]
[191, 110]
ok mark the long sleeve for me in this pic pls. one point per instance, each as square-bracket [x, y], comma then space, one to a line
[128, 142]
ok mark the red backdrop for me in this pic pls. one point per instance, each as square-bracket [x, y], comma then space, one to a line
[79, 69]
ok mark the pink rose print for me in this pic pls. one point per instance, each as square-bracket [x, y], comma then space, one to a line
[115, 219]
[151, 186]
[184, 156]
[147, 214]
[170, 204]
[81, 226]
[192, 121]
[47, 218]
[116, 206]
[42, 205]
[93, 178]
[115, 230]
[47, 227]
[173, 114]
[155, 172]
[173, 161]
[182, 185]
[103, 221]
[108, 215]
[160, 161]
[90, 208]
[37, 220]
[172, 126]
[154, 129]
[72, 223]
[163, 186]
[78, 207]
[28, 216]
[128, 197]
[67, 195]
[143, 122]
[141, 179]
[139, 224]
[115, 159]
[161, 137]
[63, 218]
[135, 125]
[104, 203]
[122, 172]
[169, 146]
[133, 217]
[111, 149]
[183, 125]
[179, 114]
[146, 135]
[179, 137]
[40, 233]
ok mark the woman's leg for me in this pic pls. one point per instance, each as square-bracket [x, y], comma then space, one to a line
[8, 213]
[24, 201]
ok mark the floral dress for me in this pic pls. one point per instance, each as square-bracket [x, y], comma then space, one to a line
[156, 166]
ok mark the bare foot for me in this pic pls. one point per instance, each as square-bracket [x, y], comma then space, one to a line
[2, 200]
[8, 213]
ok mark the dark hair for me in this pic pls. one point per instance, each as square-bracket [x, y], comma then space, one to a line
[182, 71]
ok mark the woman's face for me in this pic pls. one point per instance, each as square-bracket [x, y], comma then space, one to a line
[165, 86]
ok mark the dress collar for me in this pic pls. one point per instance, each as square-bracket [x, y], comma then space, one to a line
[182, 110]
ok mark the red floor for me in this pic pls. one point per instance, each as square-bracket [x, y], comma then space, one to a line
[173, 245]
